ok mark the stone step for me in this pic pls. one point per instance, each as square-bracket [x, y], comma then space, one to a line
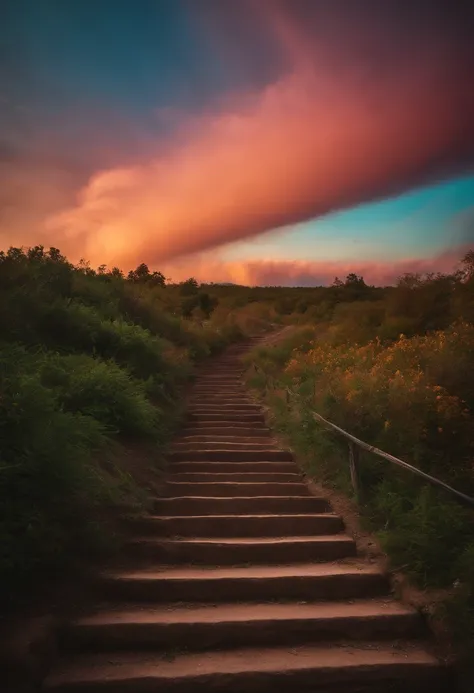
[204, 408]
[314, 581]
[207, 403]
[237, 442]
[220, 379]
[245, 477]
[308, 524]
[365, 668]
[210, 389]
[196, 627]
[231, 372]
[235, 489]
[240, 550]
[232, 445]
[219, 387]
[206, 432]
[230, 467]
[256, 505]
[217, 400]
[222, 395]
[231, 418]
[225, 454]
[233, 368]
[226, 439]
[213, 378]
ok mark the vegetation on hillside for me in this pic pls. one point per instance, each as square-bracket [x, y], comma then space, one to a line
[92, 365]
[392, 366]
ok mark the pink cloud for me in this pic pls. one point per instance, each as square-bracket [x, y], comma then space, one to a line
[333, 131]
[319, 138]
[310, 273]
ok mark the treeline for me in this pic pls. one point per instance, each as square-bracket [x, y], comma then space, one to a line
[416, 304]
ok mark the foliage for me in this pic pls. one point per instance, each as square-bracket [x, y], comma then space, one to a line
[396, 371]
[90, 361]
[93, 359]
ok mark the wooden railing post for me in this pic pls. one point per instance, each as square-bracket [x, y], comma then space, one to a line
[354, 467]
[356, 443]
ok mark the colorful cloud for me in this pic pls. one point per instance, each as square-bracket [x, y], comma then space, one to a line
[320, 138]
[332, 106]
[308, 273]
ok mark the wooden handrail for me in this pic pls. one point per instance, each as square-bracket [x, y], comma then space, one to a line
[391, 458]
[355, 443]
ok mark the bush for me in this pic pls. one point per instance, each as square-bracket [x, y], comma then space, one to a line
[89, 361]
[45, 472]
[103, 391]
[412, 397]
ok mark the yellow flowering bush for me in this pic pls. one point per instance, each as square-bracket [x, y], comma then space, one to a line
[399, 383]
[413, 398]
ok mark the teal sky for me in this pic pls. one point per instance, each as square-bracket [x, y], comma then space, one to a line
[422, 222]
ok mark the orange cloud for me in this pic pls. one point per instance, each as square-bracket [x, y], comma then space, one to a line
[308, 273]
[318, 139]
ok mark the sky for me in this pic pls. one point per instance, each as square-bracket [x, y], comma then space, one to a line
[258, 141]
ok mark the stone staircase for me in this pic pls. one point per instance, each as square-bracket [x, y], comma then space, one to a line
[242, 580]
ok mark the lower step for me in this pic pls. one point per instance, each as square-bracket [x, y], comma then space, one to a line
[241, 525]
[240, 550]
[233, 436]
[206, 626]
[234, 489]
[235, 431]
[231, 418]
[370, 668]
[236, 476]
[318, 581]
[193, 446]
[222, 399]
[256, 505]
[243, 407]
[232, 467]
[254, 421]
[228, 455]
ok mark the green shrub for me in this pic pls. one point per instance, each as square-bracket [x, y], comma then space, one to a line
[45, 472]
[102, 390]
[412, 397]
[88, 361]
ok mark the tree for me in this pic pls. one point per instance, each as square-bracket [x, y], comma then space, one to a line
[467, 266]
[354, 280]
[207, 303]
[139, 274]
[189, 287]
[142, 275]
[409, 280]
[157, 279]
[188, 306]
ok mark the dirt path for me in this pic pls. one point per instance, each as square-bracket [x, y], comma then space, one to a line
[243, 580]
